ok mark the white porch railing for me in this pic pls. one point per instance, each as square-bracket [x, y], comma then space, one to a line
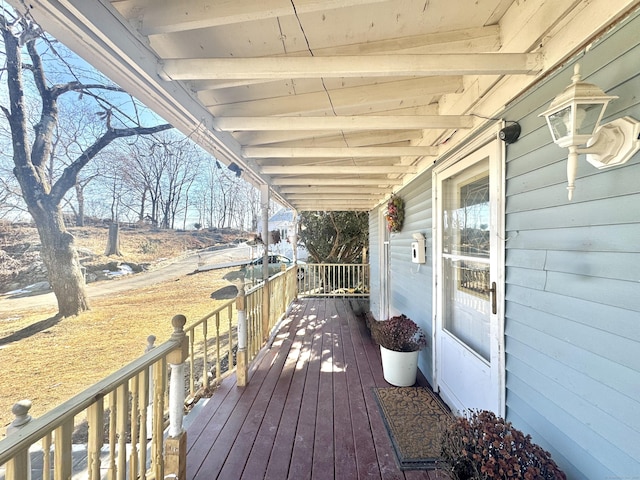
[335, 280]
[121, 422]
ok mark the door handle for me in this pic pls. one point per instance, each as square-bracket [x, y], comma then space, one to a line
[494, 301]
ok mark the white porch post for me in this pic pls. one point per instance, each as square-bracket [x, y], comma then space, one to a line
[176, 444]
[294, 237]
[242, 367]
[264, 211]
[264, 204]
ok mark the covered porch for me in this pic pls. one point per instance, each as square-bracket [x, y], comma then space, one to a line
[308, 410]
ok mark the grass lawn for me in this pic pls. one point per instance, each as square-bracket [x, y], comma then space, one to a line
[55, 360]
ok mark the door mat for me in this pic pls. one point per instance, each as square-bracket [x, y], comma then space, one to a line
[413, 417]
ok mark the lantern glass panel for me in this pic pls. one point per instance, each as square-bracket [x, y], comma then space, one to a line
[587, 117]
[559, 123]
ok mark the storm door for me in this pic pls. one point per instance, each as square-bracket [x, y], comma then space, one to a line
[469, 369]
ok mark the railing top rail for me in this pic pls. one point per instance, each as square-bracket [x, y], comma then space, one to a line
[39, 427]
[209, 315]
[338, 264]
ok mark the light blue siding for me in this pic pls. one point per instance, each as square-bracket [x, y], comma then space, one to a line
[411, 284]
[573, 280]
[572, 288]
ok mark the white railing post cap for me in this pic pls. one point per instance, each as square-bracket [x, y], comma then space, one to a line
[21, 411]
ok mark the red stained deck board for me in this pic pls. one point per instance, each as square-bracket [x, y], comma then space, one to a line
[308, 411]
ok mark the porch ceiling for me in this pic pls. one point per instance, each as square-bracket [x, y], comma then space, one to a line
[333, 103]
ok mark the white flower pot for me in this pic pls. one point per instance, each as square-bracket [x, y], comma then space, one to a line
[399, 368]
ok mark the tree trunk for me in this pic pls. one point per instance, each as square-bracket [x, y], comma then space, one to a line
[113, 242]
[60, 256]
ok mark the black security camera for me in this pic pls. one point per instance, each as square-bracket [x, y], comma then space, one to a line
[510, 134]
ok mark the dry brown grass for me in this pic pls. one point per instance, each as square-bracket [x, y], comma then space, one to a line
[55, 360]
[45, 366]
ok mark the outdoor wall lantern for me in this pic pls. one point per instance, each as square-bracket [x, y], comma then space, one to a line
[574, 117]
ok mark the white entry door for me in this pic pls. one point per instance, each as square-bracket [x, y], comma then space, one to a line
[469, 366]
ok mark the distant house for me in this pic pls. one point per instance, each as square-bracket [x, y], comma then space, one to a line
[283, 221]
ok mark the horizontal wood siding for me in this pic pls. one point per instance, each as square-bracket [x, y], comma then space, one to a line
[412, 283]
[573, 280]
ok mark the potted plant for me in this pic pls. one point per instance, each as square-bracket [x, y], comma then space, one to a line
[484, 446]
[400, 340]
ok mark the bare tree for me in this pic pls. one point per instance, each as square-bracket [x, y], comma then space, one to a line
[31, 152]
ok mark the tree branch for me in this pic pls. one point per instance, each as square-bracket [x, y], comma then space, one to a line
[70, 174]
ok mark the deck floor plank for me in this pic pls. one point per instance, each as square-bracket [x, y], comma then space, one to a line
[260, 454]
[308, 410]
[323, 463]
[301, 467]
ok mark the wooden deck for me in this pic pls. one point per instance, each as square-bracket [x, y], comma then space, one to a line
[308, 411]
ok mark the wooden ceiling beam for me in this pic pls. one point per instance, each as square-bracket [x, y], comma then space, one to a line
[341, 196]
[353, 181]
[369, 98]
[338, 170]
[337, 152]
[373, 122]
[352, 66]
[334, 190]
[327, 138]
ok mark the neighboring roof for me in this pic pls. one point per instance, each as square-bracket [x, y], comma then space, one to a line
[283, 215]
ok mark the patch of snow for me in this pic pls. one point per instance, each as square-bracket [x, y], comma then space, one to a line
[123, 270]
[36, 287]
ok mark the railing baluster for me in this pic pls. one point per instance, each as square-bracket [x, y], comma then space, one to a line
[217, 317]
[192, 365]
[205, 357]
[143, 435]
[46, 457]
[122, 397]
[95, 419]
[241, 375]
[113, 412]
[62, 460]
[135, 401]
[230, 336]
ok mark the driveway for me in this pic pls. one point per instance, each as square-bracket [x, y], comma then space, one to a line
[200, 260]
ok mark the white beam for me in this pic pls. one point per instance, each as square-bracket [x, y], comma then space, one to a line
[338, 170]
[334, 190]
[333, 205]
[352, 66]
[381, 96]
[336, 202]
[328, 138]
[337, 152]
[333, 208]
[340, 196]
[354, 181]
[373, 122]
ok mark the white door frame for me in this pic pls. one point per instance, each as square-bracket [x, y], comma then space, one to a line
[384, 266]
[488, 144]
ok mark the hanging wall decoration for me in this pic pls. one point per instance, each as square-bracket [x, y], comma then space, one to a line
[395, 214]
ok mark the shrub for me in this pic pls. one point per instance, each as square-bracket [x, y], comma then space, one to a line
[399, 333]
[483, 446]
